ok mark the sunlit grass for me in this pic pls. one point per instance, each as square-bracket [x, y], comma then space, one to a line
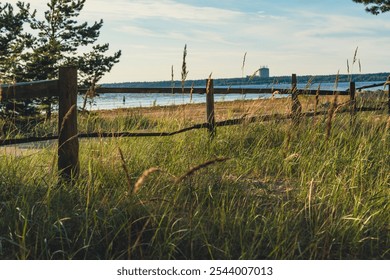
[286, 192]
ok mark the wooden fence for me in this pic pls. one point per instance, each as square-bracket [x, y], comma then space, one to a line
[66, 89]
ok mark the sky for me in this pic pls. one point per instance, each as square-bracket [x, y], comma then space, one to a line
[306, 37]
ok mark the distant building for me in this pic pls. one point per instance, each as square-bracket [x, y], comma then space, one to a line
[264, 72]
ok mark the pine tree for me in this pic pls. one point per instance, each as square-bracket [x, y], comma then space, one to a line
[92, 67]
[375, 6]
[57, 43]
[14, 43]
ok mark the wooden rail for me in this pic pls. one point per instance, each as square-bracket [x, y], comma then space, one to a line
[28, 90]
[217, 90]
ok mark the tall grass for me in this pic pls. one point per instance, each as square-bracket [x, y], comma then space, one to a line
[284, 193]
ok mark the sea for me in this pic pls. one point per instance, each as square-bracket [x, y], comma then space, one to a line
[109, 101]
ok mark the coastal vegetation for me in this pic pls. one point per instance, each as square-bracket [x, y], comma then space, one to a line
[267, 190]
[300, 188]
[33, 48]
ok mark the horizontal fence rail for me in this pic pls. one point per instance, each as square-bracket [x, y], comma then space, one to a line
[39, 89]
[372, 86]
[217, 90]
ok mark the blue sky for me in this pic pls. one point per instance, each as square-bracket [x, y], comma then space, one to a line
[297, 36]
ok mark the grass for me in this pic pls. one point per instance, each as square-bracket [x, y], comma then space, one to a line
[257, 191]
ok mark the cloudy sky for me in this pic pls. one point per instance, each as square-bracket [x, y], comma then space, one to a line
[290, 36]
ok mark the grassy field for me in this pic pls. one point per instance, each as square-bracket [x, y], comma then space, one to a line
[269, 190]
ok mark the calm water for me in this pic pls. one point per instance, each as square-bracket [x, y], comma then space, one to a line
[127, 100]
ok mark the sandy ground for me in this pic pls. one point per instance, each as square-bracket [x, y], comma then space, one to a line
[28, 149]
[196, 113]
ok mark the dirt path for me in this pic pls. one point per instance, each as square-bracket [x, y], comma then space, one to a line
[197, 112]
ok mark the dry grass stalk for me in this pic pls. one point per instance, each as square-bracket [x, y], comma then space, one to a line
[66, 117]
[254, 74]
[243, 63]
[387, 128]
[228, 89]
[287, 142]
[184, 71]
[141, 180]
[292, 157]
[317, 99]
[336, 82]
[140, 234]
[191, 171]
[330, 116]
[242, 71]
[208, 83]
[316, 103]
[296, 108]
[172, 80]
[124, 166]
[355, 55]
[310, 195]
[386, 83]
[191, 91]
[309, 83]
[354, 60]
[274, 92]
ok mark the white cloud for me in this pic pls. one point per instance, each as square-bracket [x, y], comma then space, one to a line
[162, 9]
[289, 36]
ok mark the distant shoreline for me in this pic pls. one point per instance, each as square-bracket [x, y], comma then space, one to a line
[382, 76]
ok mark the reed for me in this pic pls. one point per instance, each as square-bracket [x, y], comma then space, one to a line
[127, 173]
[172, 80]
[184, 71]
[331, 113]
[141, 180]
[266, 190]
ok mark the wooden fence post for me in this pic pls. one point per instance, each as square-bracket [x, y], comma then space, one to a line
[68, 143]
[352, 98]
[210, 107]
[296, 107]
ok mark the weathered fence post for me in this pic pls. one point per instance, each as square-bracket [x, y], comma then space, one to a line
[296, 107]
[352, 98]
[210, 107]
[68, 143]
